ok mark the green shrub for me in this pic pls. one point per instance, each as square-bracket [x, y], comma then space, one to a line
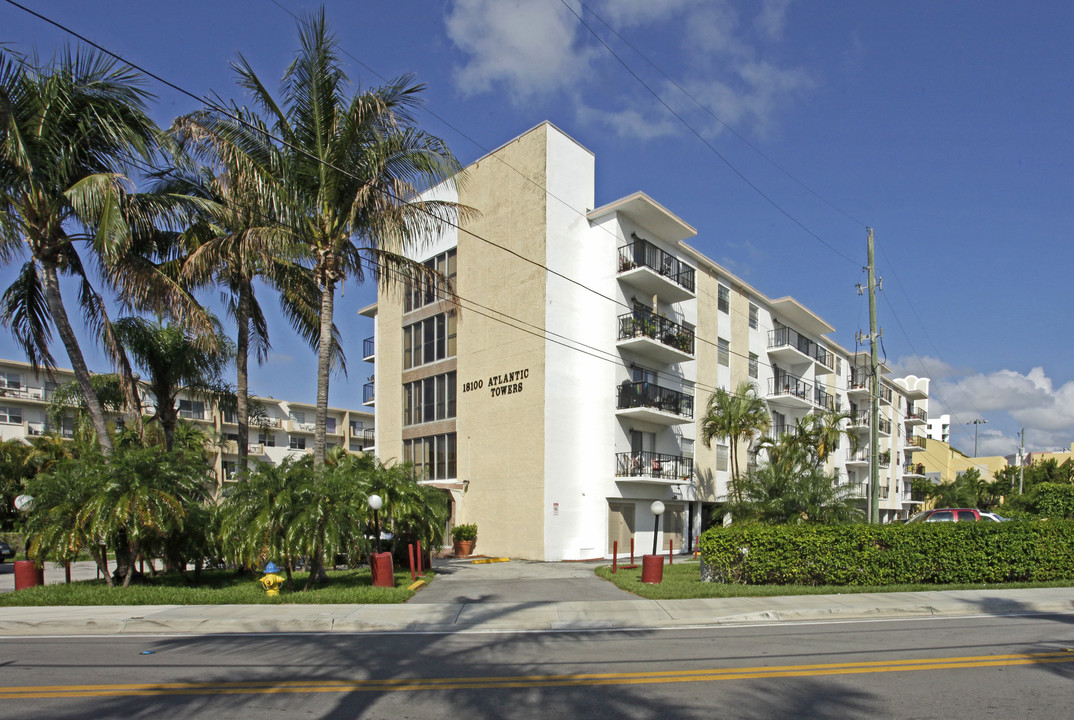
[1052, 500]
[464, 532]
[922, 553]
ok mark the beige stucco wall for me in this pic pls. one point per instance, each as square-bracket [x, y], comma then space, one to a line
[501, 437]
[710, 484]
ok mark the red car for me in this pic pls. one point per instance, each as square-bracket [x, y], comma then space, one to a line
[947, 515]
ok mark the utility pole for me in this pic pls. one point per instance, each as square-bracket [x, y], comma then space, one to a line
[976, 424]
[874, 397]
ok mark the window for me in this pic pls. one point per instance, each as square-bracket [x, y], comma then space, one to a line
[266, 439]
[753, 317]
[753, 365]
[723, 301]
[330, 425]
[298, 442]
[298, 416]
[192, 409]
[230, 416]
[430, 399]
[838, 366]
[10, 381]
[233, 437]
[422, 292]
[722, 457]
[723, 352]
[433, 457]
[229, 467]
[11, 415]
[430, 340]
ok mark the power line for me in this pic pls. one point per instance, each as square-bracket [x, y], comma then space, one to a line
[712, 148]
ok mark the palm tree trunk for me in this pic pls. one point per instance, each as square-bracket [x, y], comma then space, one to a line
[324, 367]
[74, 354]
[242, 380]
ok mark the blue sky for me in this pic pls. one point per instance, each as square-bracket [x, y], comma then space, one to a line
[947, 127]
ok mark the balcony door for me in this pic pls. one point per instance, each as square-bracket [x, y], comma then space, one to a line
[672, 524]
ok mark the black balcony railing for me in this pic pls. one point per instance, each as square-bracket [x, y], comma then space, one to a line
[790, 385]
[368, 393]
[859, 379]
[913, 413]
[643, 253]
[885, 426]
[885, 393]
[642, 323]
[788, 337]
[647, 394]
[823, 399]
[369, 347]
[660, 466]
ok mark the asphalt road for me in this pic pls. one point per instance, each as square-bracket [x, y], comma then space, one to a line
[1009, 667]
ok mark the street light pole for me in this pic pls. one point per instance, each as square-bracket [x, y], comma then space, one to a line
[376, 503]
[658, 509]
[976, 424]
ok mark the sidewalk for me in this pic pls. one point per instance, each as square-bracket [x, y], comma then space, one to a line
[479, 609]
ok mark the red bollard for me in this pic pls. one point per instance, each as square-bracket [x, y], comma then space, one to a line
[615, 557]
[27, 575]
[652, 569]
[380, 564]
[631, 551]
[671, 552]
[410, 549]
[421, 560]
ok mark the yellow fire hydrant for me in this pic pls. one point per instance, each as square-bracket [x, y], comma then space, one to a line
[271, 581]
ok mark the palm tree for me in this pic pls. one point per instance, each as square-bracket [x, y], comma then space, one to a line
[174, 362]
[235, 238]
[776, 494]
[349, 178]
[68, 136]
[738, 416]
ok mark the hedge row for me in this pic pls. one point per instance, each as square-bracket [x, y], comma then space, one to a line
[889, 554]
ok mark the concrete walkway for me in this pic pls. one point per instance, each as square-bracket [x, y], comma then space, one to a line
[519, 596]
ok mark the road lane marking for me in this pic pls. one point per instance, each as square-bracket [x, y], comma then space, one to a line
[527, 681]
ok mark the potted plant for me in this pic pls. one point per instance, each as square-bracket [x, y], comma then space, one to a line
[463, 539]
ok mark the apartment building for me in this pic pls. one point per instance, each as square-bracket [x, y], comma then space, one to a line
[284, 430]
[561, 395]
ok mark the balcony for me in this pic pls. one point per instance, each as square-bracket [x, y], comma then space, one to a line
[913, 470]
[369, 349]
[861, 491]
[652, 467]
[858, 384]
[363, 439]
[823, 400]
[885, 394]
[884, 427]
[655, 272]
[915, 416]
[914, 443]
[651, 403]
[295, 426]
[789, 345]
[23, 393]
[368, 394]
[861, 457]
[790, 391]
[655, 337]
[859, 421]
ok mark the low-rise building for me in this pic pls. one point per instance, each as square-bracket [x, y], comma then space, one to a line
[284, 429]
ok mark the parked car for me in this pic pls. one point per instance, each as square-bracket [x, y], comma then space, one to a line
[6, 552]
[993, 517]
[947, 515]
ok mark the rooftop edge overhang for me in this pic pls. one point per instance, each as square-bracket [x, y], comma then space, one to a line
[647, 214]
[368, 311]
[800, 317]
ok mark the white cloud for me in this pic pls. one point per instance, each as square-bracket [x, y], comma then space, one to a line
[533, 51]
[522, 47]
[1007, 399]
[773, 18]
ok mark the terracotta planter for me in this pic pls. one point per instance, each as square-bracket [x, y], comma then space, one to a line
[463, 548]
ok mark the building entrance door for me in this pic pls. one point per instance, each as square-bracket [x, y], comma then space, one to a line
[672, 523]
[620, 525]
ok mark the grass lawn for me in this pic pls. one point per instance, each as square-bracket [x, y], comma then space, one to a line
[217, 587]
[683, 581]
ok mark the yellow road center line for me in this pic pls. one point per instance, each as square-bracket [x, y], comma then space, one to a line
[527, 681]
